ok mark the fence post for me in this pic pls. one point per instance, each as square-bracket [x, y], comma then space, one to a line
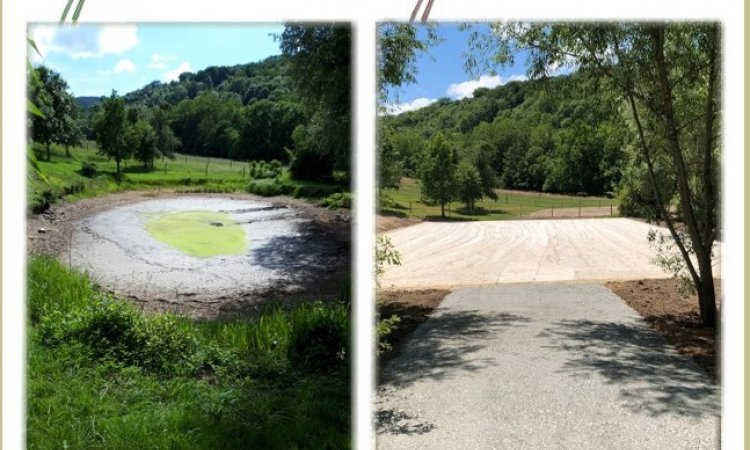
[553, 212]
[610, 210]
[579, 207]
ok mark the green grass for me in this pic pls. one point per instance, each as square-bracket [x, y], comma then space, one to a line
[103, 375]
[405, 202]
[186, 174]
[196, 233]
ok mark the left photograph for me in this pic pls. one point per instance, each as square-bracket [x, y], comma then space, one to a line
[189, 236]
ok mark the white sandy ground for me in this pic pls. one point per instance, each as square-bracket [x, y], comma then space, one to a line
[121, 255]
[454, 254]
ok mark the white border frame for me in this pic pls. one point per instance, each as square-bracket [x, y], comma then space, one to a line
[365, 15]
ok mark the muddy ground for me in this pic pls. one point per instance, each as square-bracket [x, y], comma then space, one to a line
[51, 233]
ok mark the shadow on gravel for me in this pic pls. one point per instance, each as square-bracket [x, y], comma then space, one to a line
[400, 422]
[652, 381]
[442, 347]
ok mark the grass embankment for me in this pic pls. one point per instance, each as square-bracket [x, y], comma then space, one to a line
[405, 202]
[63, 177]
[103, 375]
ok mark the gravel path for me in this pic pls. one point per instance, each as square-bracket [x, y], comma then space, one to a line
[543, 366]
[450, 254]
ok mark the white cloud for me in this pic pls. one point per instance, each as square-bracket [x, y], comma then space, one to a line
[466, 89]
[125, 65]
[398, 108]
[84, 41]
[173, 75]
[159, 61]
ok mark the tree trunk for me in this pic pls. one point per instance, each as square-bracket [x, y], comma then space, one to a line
[442, 209]
[695, 226]
[706, 294]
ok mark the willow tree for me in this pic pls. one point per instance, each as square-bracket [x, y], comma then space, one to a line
[668, 75]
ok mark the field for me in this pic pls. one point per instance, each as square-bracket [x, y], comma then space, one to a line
[406, 202]
[63, 177]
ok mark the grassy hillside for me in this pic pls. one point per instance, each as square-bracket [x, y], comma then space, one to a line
[407, 202]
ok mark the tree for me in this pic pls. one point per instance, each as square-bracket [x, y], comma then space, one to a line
[48, 91]
[438, 173]
[399, 45]
[111, 128]
[166, 141]
[390, 166]
[320, 65]
[668, 74]
[469, 183]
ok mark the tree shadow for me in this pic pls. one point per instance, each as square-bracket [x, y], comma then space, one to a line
[652, 380]
[310, 264]
[443, 347]
[393, 421]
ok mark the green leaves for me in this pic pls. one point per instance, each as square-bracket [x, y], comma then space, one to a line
[76, 12]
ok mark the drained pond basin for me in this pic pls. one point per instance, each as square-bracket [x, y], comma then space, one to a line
[207, 255]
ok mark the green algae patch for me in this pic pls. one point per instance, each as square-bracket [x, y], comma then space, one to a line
[199, 233]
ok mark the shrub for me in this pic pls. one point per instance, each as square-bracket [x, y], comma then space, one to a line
[319, 339]
[313, 190]
[337, 200]
[268, 187]
[88, 169]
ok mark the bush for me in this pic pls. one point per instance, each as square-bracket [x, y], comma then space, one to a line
[314, 190]
[268, 187]
[88, 169]
[319, 340]
[337, 200]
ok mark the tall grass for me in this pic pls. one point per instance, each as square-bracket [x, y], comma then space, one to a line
[103, 375]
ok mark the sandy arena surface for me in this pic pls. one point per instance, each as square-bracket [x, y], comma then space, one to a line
[452, 254]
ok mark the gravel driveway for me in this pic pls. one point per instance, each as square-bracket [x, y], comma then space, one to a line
[543, 366]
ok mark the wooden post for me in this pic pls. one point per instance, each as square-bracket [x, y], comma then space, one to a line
[579, 207]
[610, 210]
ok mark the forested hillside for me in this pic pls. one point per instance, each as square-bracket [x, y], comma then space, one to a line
[293, 108]
[552, 135]
[245, 112]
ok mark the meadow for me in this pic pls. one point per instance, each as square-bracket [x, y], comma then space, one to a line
[87, 173]
[407, 201]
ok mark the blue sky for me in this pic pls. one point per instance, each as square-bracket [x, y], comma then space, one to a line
[94, 59]
[441, 72]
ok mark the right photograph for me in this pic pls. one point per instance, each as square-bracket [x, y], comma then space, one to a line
[549, 235]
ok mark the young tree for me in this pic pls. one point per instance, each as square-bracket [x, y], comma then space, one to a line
[669, 76]
[166, 141]
[438, 172]
[111, 128]
[469, 183]
[390, 166]
[48, 92]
